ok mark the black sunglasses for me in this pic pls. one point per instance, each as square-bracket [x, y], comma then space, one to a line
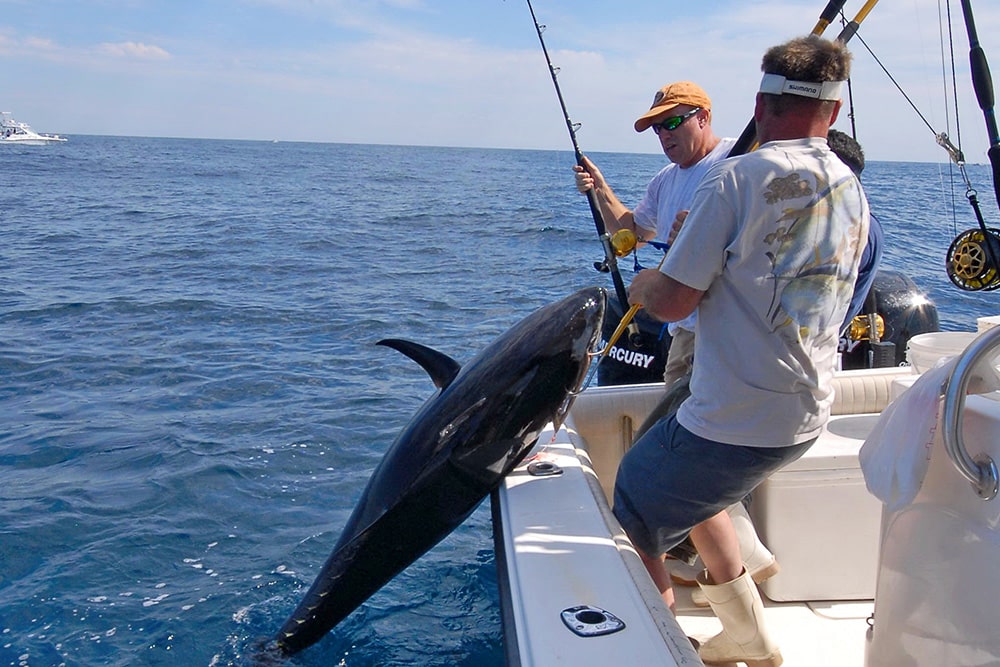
[672, 123]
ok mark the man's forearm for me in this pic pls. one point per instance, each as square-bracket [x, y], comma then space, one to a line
[662, 297]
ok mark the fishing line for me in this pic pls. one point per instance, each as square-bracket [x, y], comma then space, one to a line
[610, 262]
[942, 138]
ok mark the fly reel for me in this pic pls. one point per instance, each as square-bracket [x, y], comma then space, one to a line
[971, 260]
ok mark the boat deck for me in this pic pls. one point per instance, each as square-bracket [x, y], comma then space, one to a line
[560, 546]
[556, 559]
[813, 634]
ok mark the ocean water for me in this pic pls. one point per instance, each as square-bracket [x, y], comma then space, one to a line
[191, 400]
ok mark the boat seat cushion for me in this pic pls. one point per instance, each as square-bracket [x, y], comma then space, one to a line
[611, 415]
[866, 390]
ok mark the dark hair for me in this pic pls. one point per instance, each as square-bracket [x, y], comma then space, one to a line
[847, 149]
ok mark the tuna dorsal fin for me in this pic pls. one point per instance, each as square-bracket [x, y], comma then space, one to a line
[438, 365]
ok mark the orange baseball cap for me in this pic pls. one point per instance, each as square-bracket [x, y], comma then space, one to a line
[668, 98]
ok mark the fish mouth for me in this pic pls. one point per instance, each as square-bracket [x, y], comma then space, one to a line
[589, 320]
[593, 311]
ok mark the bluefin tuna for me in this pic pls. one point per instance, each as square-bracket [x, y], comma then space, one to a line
[454, 452]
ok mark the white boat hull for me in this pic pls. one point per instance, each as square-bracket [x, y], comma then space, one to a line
[42, 141]
[561, 549]
[13, 132]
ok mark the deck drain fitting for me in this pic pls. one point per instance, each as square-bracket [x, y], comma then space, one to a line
[543, 469]
[588, 621]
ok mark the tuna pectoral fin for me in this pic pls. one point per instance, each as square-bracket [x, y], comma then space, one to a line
[485, 465]
[438, 365]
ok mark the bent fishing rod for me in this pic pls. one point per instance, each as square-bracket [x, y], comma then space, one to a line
[610, 258]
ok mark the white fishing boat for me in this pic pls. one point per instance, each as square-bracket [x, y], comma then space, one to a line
[861, 582]
[16, 132]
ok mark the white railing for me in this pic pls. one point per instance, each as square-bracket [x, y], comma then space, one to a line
[981, 470]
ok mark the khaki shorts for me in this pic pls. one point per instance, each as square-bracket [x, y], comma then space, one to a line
[680, 356]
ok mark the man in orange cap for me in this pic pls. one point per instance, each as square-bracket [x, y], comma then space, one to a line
[681, 119]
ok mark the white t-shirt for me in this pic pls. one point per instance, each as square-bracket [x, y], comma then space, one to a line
[774, 239]
[670, 191]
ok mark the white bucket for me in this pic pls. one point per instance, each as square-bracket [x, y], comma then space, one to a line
[923, 351]
[987, 323]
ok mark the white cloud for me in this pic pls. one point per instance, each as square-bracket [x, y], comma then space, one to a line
[134, 50]
[453, 72]
[39, 44]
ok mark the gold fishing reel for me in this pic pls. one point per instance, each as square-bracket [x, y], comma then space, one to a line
[860, 328]
[623, 242]
[970, 258]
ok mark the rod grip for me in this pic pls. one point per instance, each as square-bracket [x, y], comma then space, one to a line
[981, 80]
[831, 10]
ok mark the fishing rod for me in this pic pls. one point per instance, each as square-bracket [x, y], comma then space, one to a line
[748, 139]
[610, 258]
[973, 259]
[982, 82]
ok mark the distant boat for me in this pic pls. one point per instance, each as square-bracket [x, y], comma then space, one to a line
[12, 131]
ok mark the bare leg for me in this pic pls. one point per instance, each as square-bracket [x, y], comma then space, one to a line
[717, 544]
[661, 578]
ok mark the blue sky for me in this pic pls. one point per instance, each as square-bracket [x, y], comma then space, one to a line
[455, 72]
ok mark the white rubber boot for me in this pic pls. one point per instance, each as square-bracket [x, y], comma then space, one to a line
[744, 637]
[759, 561]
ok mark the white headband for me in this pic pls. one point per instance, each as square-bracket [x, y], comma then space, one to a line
[775, 84]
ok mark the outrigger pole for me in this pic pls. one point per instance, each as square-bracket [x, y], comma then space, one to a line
[610, 260]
